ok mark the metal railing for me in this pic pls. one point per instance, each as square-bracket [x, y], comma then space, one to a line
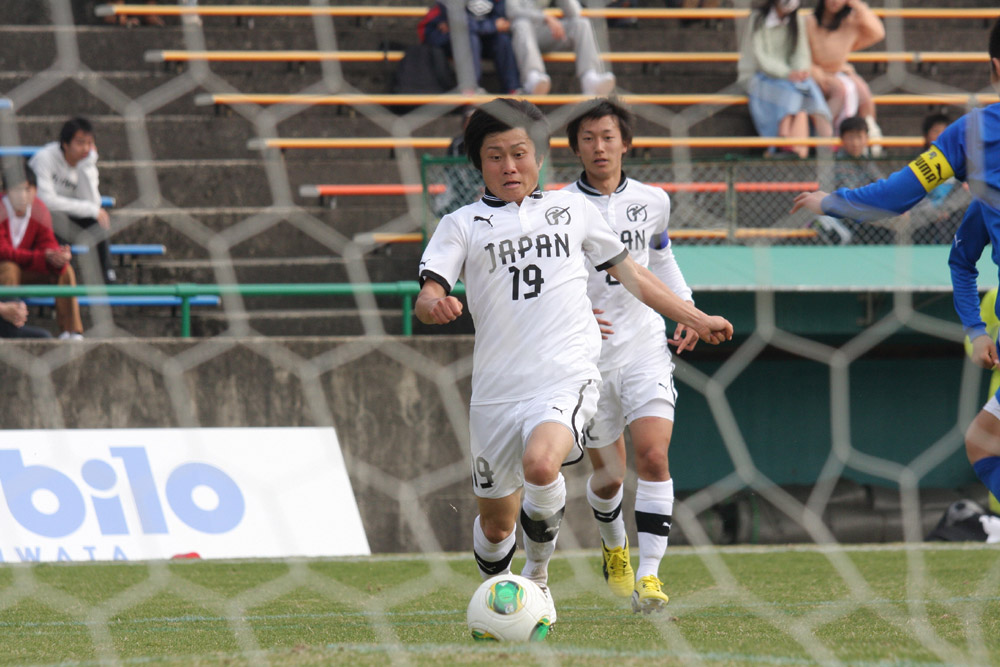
[405, 289]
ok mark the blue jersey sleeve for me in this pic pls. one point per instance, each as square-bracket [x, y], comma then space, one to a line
[902, 190]
[970, 240]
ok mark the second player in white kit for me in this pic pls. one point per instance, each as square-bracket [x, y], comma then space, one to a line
[635, 362]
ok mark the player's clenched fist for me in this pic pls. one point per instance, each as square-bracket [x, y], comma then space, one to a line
[715, 330]
[446, 310]
[435, 306]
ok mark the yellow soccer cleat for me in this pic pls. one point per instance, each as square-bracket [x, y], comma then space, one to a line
[648, 595]
[618, 570]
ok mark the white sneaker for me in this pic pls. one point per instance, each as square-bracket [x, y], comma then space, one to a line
[537, 83]
[70, 335]
[552, 605]
[592, 83]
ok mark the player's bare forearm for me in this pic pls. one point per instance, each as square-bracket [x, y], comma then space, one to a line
[646, 287]
[434, 306]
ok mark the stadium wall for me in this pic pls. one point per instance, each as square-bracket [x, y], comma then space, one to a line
[397, 405]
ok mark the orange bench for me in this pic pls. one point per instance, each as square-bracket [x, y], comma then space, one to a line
[358, 11]
[341, 143]
[555, 56]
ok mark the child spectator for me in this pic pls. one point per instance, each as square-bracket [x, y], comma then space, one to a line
[774, 66]
[68, 183]
[933, 126]
[853, 169]
[29, 253]
[536, 33]
[837, 28]
[489, 34]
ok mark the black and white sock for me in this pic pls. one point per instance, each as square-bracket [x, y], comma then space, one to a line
[608, 513]
[654, 507]
[492, 559]
[541, 513]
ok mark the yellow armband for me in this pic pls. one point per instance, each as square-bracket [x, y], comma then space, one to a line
[932, 168]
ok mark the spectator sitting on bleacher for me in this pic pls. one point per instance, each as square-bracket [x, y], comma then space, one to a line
[29, 253]
[837, 28]
[534, 33]
[13, 319]
[489, 34]
[774, 67]
[68, 183]
[853, 168]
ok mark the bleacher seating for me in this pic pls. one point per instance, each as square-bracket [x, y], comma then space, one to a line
[214, 189]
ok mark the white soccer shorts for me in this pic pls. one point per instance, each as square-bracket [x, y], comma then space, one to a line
[500, 431]
[992, 406]
[642, 388]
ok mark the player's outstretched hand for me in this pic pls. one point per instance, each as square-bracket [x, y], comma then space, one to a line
[812, 201]
[715, 330]
[605, 325]
[984, 352]
[685, 338]
[446, 309]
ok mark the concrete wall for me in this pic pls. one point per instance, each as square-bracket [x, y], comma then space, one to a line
[400, 410]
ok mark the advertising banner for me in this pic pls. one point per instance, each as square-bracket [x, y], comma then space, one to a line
[140, 494]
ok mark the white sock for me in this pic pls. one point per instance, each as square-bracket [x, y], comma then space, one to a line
[654, 507]
[492, 559]
[608, 513]
[541, 514]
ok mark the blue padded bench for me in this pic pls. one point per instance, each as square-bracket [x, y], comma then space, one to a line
[204, 300]
[145, 249]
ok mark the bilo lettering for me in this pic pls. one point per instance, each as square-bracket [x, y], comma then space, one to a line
[544, 245]
[20, 483]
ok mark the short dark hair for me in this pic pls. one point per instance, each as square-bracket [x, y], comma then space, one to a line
[501, 115]
[932, 120]
[606, 107]
[14, 175]
[853, 124]
[71, 127]
[995, 41]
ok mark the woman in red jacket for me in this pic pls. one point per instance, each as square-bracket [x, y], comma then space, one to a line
[29, 252]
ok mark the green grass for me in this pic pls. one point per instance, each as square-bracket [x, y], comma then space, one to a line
[925, 605]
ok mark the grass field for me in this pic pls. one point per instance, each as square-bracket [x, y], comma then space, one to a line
[930, 604]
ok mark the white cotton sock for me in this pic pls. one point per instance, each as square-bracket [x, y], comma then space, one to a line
[492, 559]
[608, 513]
[541, 514]
[654, 507]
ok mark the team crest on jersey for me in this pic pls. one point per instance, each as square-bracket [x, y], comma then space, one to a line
[558, 215]
[636, 213]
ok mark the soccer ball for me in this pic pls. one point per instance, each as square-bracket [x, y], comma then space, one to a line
[508, 608]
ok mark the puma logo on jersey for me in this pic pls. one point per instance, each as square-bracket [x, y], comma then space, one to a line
[664, 386]
[561, 410]
[486, 220]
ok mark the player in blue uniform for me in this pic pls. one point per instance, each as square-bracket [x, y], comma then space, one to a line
[969, 150]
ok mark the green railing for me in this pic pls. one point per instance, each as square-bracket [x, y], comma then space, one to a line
[405, 289]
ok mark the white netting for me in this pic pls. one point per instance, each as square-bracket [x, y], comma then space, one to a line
[361, 384]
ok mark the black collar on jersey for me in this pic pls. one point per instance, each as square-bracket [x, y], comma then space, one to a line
[491, 199]
[588, 189]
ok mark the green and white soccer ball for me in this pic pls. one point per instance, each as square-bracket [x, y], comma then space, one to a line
[508, 608]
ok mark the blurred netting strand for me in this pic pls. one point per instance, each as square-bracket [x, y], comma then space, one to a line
[706, 198]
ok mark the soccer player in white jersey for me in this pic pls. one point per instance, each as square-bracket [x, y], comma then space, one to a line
[521, 253]
[638, 388]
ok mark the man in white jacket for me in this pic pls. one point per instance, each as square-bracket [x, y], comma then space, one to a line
[68, 184]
